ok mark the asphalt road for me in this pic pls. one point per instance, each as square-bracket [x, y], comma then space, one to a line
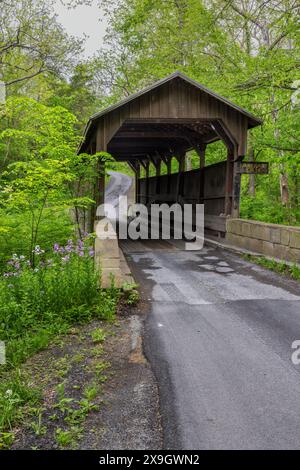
[118, 185]
[218, 335]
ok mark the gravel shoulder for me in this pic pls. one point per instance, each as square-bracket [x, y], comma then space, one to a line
[98, 390]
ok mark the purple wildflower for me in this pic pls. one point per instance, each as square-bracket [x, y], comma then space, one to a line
[65, 259]
[37, 250]
[91, 252]
[69, 246]
[8, 274]
[56, 247]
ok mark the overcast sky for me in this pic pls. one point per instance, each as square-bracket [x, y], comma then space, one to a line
[84, 19]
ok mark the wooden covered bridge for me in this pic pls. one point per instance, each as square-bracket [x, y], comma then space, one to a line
[165, 121]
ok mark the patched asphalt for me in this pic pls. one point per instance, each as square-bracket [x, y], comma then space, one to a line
[218, 336]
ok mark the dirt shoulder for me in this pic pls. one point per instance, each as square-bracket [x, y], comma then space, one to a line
[98, 390]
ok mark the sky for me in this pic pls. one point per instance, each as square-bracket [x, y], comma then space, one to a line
[84, 19]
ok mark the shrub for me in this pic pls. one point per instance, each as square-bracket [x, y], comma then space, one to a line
[36, 303]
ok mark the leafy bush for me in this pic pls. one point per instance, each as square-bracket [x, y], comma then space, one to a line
[36, 303]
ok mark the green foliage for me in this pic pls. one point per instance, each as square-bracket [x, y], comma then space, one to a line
[246, 51]
[98, 335]
[64, 438]
[16, 232]
[38, 303]
[29, 129]
[14, 393]
[130, 292]
[291, 270]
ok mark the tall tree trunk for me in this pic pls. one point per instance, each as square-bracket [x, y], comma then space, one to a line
[284, 189]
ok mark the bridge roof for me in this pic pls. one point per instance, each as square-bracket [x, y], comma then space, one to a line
[174, 97]
[255, 121]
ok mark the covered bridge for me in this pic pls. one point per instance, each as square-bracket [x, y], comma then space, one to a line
[165, 121]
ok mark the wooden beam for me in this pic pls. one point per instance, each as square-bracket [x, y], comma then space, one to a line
[224, 134]
[141, 121]
[148, 135]
[132, 166]
[144, 164]
[200, 149]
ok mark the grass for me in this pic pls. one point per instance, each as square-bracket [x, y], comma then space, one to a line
[292, 271]
[43, 304]
[98, 335]
[39, 304]
[62, 420]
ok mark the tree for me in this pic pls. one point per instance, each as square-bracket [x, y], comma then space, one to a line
[30, 130]
[79, 94]
[32, 42]
[247, 50]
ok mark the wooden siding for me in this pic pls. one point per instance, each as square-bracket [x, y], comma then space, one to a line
[174, 99]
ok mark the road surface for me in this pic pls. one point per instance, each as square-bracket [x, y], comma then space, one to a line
[218, 335]
[118, 185]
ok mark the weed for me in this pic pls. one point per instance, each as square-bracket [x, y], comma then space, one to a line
[278, 266]
[38, 427]
[64, 438]
[6, 440]
[98, 335]
[15, 393]
[90, 392]
[130, 293]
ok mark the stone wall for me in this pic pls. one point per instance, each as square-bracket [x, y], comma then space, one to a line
[271, 240]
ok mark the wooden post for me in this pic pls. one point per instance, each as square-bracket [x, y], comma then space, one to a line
[181, 162]
[147, 164]
[229, 182]
[157, 164]
[169, 170]
[200, 149]
[236, 189]
[137, 182]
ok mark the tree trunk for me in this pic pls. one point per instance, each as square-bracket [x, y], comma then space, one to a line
[284, 189]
